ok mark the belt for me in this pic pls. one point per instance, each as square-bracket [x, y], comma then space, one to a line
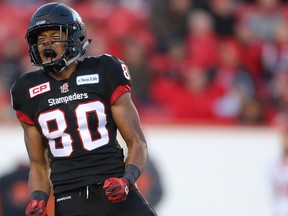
[85, 192]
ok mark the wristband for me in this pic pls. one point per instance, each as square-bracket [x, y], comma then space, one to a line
[132, 173]
[39, 195]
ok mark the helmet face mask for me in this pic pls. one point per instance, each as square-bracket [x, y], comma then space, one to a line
[59, 17]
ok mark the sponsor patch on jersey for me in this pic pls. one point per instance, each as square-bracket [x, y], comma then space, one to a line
[87, 79]
[39, 89]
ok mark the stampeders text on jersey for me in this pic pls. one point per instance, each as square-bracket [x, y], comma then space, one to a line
[66, 99]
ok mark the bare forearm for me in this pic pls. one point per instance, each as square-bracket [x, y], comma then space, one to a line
[39, 180]
[128, 123]
[137, 155]
[39, 163]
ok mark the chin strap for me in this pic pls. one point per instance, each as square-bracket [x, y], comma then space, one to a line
[61, 65]
[79, 54]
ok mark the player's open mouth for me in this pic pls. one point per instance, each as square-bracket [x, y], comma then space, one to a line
[49, 55]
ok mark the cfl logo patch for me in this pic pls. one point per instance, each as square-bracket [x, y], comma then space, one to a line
[39, 89]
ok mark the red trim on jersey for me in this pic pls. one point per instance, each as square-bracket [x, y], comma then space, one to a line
[24, 118]
[118, 92]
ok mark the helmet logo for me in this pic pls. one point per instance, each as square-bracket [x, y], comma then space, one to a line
[41, 22]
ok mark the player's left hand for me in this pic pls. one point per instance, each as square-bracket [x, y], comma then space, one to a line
[116, 189]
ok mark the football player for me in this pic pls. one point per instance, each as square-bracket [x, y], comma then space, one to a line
[70, 110]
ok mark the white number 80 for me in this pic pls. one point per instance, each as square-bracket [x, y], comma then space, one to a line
[88, 143]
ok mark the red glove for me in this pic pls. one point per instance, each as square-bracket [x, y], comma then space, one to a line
[116, 189]
[36, 208]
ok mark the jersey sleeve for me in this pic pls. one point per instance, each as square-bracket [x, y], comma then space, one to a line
[117, 77]
[20, 102]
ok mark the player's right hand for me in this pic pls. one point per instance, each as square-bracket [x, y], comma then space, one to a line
[36, 208]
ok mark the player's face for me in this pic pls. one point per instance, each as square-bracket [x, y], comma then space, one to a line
[50, 45]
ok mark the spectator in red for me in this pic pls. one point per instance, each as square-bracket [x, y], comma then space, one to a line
[191, 97]
[195, 98]
[166, 70]
[251, 51]
[201, 39]
[233, 78]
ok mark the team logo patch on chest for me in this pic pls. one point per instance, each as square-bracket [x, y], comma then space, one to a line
[87, 79]
[64, 88]
[39, 89]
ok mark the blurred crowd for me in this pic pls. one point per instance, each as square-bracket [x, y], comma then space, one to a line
[214, 61]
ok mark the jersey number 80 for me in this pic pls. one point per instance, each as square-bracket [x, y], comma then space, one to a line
[88, 143]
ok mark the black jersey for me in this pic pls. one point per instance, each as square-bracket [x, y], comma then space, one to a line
[74, 116]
